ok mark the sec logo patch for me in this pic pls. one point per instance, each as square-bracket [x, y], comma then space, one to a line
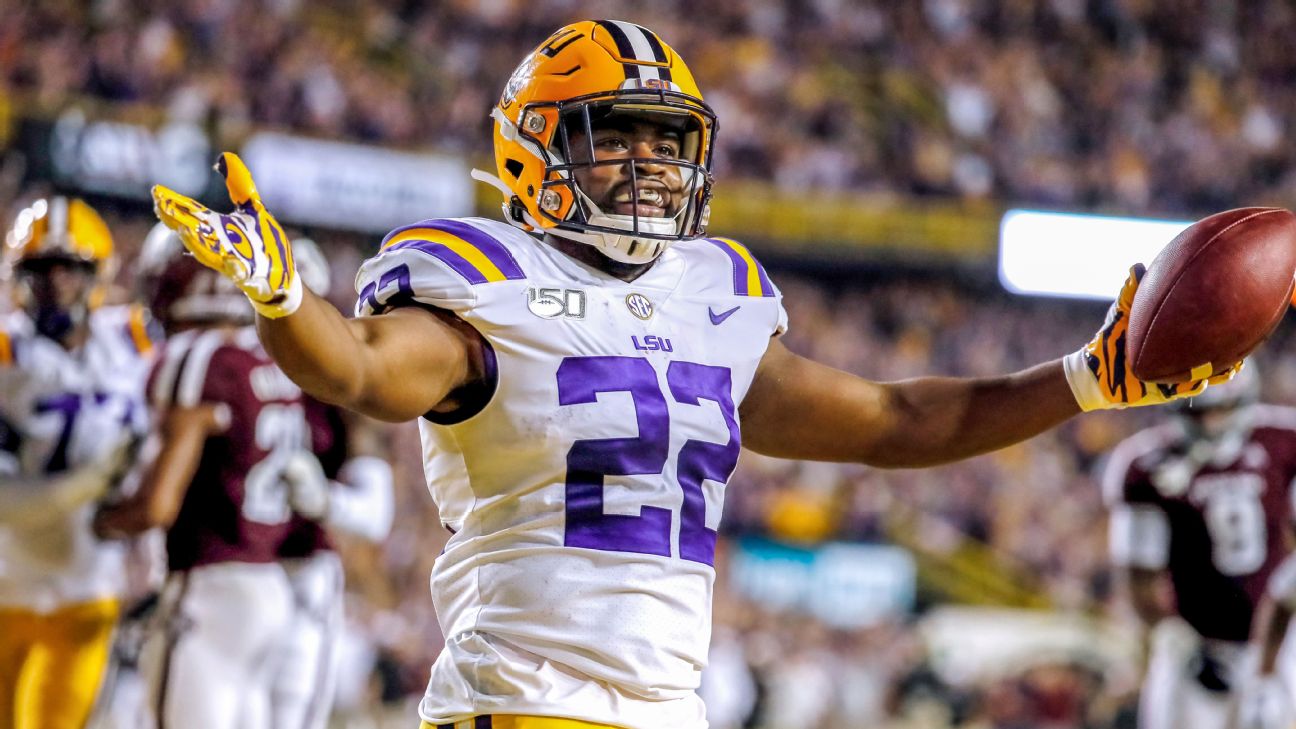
[639, 305]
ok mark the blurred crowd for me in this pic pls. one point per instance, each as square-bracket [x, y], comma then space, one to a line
[1135, 106]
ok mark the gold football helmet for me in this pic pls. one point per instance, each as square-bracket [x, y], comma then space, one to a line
[60, 228]
[584, 72]
[56, 234]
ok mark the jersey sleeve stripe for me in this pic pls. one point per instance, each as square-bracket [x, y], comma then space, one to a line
[138, 329]
[749, 276]
[472, 254]
[193, 375]
[493, 249]
[164, 379]
[461, 257]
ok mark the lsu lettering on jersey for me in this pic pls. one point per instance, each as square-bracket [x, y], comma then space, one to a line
[61, 410]
[584, 491]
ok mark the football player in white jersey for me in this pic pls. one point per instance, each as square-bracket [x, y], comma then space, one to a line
[579, 373]
[71, 406]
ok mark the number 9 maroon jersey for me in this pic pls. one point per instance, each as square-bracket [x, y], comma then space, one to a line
[236, 508]
[1213, 514]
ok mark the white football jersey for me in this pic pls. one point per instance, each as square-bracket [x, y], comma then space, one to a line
[585, 487]
[61, 410]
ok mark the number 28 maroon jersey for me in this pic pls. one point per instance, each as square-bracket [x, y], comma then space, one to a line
[236, 508]
[1213, 514]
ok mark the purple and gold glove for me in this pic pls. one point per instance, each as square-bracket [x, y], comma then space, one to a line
[248, 245]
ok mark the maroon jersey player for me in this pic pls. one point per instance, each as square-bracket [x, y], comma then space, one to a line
[1200, 513]
[230, 424]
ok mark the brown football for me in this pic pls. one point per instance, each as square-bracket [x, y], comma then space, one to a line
[1213, 294]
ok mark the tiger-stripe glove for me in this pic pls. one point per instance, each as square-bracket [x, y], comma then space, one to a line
[1099, 373]
[247, 245]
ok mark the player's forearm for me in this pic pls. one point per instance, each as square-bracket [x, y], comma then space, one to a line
[1147, 593]
[1271, 622]
[947, 419]
[798, 408]
[161, 493]
[318, 349]
[393, 367]
[34, 501]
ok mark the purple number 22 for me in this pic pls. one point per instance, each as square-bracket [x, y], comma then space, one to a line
[580, 380]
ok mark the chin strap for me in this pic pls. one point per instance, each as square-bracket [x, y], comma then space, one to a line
[487, 178]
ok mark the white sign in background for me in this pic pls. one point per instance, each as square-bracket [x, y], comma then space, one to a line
[843, 584]
[119, 158]
[352, 186]
[1076, 256]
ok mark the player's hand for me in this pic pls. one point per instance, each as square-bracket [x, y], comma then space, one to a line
[1100, 374]
[247, 245]
[308, 487]
[1265, 703]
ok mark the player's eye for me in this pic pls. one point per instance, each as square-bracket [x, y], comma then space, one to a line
[611, 143]
[666, 149]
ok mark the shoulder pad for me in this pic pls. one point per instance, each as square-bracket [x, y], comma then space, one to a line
[15, 329]
[728, 268]
[180, 374]
[1274, 417]
[128, 325]
[436, 262]
[1124, 472]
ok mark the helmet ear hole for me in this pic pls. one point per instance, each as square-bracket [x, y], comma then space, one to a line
[514, 167]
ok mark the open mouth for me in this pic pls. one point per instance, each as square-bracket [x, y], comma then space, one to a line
[650, 202]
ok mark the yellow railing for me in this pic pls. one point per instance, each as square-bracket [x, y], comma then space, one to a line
[853, 222]
[971, 573]
[850, 224]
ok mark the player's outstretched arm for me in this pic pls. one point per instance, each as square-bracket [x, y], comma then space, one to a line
[797, 408]
[45, 499]
[393, 367]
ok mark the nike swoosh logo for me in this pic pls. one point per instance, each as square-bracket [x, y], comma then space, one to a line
[719, 318]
